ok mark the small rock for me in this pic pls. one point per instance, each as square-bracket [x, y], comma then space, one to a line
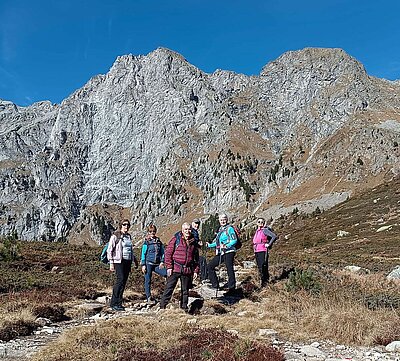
[393, 346]
[233, 332]
[96, 317]
[249, 264]
[394, 274]
[384, 228]
[103, 299]
[262, 332]
[315, 344]
[341, 233]
[191, 321]
[55, 269]
[242, 313]
[311, 351]
[293, 356]
[42, 321]
[357, 269]
[48, 330]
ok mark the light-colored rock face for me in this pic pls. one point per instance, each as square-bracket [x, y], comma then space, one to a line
[161, 139]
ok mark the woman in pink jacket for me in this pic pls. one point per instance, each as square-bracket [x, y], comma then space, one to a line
[120, 255]
[262, 242]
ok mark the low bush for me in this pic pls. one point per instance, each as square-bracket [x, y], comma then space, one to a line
[207, 344]
[377, 301]
[54, 313]
[13, 329]
[303, 280]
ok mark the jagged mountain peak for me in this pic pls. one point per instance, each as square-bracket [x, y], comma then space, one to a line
[163, 58]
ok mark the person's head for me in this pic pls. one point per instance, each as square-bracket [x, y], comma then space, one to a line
[186, 230]
[196, 223]
[260, 222]
[125, 225]
[152, 230]
[223, 219]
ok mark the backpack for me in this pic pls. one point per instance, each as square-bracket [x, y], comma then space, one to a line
[238, 233]
[177, 236]
[103, 254]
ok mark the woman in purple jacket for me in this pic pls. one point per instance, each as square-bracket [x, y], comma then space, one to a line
[182, 262]
[262, 242]
[120, 255]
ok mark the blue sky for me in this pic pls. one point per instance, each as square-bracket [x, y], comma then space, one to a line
[50, 48]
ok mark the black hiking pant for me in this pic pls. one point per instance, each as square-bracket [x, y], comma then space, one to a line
[228, 259]
[122, 271]
[186, 281]
[262, 264]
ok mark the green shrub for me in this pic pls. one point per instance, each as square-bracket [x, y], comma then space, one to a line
[210, 226]
[9, 249]
[303, 280]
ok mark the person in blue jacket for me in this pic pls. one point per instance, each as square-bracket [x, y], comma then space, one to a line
[152, 260]
[224, 244]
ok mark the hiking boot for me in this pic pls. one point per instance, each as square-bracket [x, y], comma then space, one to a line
[118, 308]
[151, 302]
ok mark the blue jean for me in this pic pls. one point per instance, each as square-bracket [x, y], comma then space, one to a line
[150, 268]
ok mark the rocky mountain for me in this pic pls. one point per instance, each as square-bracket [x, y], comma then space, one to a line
[156, 139]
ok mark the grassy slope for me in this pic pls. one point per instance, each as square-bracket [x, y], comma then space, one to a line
[314, 239]
[347, 310]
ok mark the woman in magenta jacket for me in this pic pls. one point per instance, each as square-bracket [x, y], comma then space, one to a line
[262, 242]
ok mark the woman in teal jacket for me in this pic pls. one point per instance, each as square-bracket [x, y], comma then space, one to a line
[224, 244]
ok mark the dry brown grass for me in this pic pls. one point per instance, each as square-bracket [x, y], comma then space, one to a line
[143, 338]
[16, 321]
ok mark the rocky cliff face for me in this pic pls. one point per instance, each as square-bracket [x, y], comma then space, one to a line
[156, 139]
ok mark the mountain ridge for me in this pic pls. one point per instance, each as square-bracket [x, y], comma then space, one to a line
[166, 141]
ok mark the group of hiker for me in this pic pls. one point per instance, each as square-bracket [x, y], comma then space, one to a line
[180, 259]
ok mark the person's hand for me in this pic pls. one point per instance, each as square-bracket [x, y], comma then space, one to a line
[207, 244]
[169, 272]
[144, 269]
[195, 275]
[112, 268]
[162, 265]
[223, 246]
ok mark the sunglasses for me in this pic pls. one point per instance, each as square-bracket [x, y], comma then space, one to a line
[260, 222]
[126, 225]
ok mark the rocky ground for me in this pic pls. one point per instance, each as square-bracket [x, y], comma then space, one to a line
[23, 348]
